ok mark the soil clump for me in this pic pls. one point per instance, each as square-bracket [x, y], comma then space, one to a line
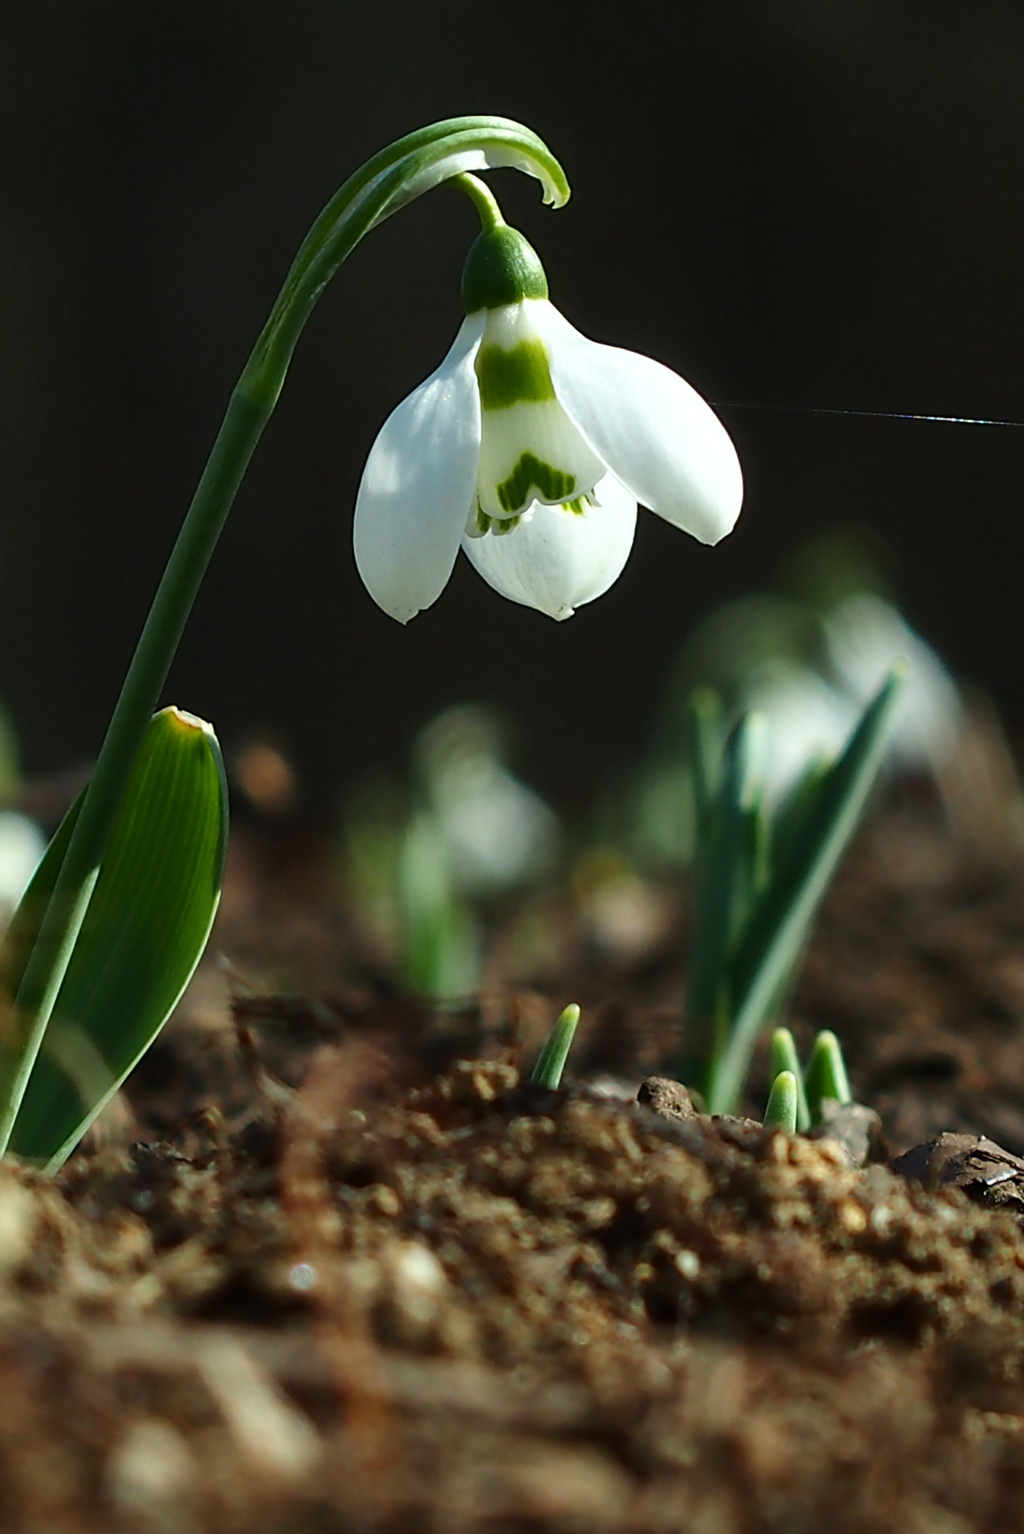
[342, 1268]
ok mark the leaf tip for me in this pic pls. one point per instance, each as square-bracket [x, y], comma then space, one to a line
[187, 723]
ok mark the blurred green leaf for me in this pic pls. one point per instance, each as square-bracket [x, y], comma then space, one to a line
[779, 922]
[143, 934]
[731, 861]
[440, 941]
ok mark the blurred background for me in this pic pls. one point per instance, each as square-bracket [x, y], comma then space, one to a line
[794, 203]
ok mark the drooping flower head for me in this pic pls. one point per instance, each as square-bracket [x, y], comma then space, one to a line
[530, 448]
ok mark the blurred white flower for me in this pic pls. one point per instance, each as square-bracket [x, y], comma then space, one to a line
[497, 832]
[806, 721]
[865, 637]
[22, 844]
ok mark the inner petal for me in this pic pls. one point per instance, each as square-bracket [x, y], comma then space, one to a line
[530, 451]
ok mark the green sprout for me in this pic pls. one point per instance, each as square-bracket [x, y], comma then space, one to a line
[760, 877]
[824, 1079]
[785, 1058]
[551, 1061]
[781, 1112]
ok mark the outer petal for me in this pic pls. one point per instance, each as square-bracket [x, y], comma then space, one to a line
[653, 431]
[557, 560]
[418, 485]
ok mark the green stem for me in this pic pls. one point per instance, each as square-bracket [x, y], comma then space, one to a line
[483, 200]
[395, 176]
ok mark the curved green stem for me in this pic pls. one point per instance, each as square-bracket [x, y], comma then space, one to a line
[392, 178]
[483, 199]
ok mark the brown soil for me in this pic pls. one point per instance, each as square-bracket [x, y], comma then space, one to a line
[339, 1269]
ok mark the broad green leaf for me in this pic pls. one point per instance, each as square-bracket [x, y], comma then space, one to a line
[779, 924]
[143, 935]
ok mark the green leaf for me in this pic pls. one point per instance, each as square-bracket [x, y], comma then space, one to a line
[143, 935]
[797, 807]
[779, 924]
[551, 1061]
[731, 863]
[440, 939]
[704, 748]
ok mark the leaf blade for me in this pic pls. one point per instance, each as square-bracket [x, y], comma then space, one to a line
[143, 934]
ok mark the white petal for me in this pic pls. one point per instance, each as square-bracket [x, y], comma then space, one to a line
[418, 485]
[653, 431]
[559, 559]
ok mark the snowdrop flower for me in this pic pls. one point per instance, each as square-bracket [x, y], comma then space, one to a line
[498, 833]
[807, 721]
[865, 636]
[529, 448]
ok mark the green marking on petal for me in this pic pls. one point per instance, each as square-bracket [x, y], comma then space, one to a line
[496, 525]
[519, 373]
[579, 507]
[531, 479]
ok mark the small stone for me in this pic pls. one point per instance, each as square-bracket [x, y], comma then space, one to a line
[852, 1217]
[853, 1126]
[385, 1200]
[668, 1098]
[19, 1216]
[151, 1472]
[688, 1264]
[987, 1173]
[416, 1286]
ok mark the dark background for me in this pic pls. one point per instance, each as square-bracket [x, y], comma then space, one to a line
[797, 202]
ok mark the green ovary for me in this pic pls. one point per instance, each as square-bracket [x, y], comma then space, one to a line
[532, 479]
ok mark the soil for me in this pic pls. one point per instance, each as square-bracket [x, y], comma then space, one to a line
[332, 1264]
